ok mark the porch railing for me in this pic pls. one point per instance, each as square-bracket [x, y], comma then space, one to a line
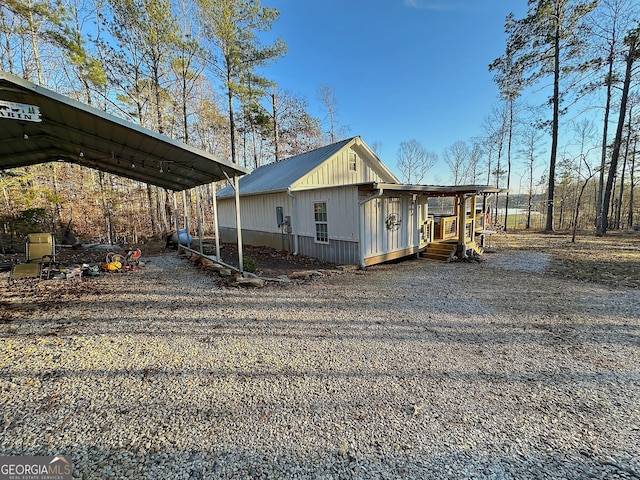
[446, 228]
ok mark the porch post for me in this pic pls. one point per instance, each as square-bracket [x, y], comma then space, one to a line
[461, 251]
[473, 217]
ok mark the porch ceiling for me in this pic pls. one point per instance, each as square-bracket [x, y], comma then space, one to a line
[438, 190]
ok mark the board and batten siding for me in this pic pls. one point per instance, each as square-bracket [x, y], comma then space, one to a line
[342, 212]
[389, 225]
[335, 171]
[342, 224]
[257, 212]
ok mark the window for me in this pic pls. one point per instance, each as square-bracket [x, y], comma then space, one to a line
[352, 162]
[320, 214]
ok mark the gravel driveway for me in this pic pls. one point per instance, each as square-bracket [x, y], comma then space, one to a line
[413, 370]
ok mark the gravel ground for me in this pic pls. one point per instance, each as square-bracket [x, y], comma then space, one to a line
[413, 370]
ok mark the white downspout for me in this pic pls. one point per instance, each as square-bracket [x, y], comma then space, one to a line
[361, 203]
[294, 221]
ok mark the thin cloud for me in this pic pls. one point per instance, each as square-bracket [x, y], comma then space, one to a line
[436, 6]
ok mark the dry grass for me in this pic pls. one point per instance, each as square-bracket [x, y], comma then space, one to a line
[613, 259]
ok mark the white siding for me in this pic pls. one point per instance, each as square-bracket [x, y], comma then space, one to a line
[257, 212]
[335, 171]
[374, 228]
[342, 212]
[381, 236]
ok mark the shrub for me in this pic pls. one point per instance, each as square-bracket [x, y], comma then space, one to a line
[249, 265]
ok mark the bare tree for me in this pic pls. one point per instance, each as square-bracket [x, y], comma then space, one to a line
[457, 156]
[530, 151]
[295, 131]
[327, 96]
[414, 161]
[474, 166]
[376, 146]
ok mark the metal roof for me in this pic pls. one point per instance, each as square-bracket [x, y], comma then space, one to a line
[63, 129]
[278, 176]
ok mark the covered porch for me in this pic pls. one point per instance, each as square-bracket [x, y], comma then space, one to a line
[457, 232]
[462, 232]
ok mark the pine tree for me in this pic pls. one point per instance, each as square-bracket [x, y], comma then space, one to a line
[232, 26]
[546, 43]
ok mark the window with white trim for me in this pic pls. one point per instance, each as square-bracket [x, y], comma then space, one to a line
[320, 217]
[353, 162]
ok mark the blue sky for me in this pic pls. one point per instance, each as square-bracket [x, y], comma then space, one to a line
[400, 69]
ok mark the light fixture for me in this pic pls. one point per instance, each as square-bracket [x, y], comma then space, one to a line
[133, 165]
[161, 170]
[25, 136]
[81, 154]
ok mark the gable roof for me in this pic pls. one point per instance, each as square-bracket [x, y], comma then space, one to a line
[71, 131]
[279, 176]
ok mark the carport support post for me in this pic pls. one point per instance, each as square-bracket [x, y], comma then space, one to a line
[461, 251]
[236, 187]
[186, 218]
[177, 217]
[199, 218]
[216, 227]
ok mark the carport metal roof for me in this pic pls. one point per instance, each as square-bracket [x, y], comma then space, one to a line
[38, 125]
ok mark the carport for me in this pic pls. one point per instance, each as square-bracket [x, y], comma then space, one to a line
[38, 125]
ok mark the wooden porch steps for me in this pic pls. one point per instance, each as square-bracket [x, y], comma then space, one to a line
[443, 252]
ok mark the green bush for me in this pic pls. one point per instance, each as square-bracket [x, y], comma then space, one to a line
[249, 265]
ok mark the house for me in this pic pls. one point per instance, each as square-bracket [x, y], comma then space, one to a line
[341, 204]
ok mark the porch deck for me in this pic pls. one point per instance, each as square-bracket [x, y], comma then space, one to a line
[445, 241]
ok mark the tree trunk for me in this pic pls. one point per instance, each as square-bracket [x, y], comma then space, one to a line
[631, 57]
[276, 134]
[34, 45]
[603, 155]
[152, 216]
[632, 183]
[554, 129]
[185, 116]
[530, 198]
[232, 125]
[624, 169]
[577, 210]
[105, 209]
[509, 142]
